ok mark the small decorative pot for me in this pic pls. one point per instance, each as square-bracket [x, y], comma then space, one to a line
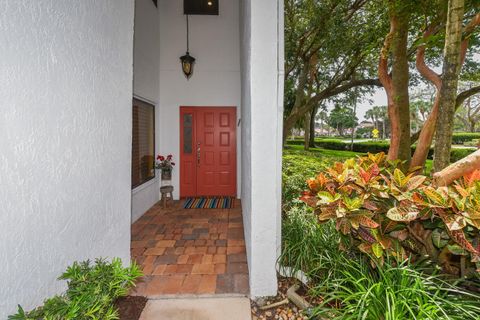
[167, 174]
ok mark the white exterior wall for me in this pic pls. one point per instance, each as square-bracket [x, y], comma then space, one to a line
[262, 114]
[214, 42]
[146, 61]
[66, 88]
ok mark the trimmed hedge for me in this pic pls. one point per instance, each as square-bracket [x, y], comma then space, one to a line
[333, 144]
[461, 137]
[297, 142]
[374, 147]
[457, 154]
[457, 138]
[473, 143]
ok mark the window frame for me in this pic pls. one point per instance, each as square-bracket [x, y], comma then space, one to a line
[154, 106]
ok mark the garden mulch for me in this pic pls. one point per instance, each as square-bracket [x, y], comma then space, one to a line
[130, 307]
[284, 312]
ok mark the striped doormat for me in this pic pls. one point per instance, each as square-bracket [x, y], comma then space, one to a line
[209, 203]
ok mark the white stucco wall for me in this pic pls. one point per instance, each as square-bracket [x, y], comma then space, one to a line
[65, 127]
[146, 61]
[214, 42]
[262, 113]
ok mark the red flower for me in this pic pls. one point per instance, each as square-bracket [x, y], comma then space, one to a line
[158, 157]
[172, 163]
[169, 157]
[162, 158]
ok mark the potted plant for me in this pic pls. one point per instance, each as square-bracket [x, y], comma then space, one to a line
[166, 165]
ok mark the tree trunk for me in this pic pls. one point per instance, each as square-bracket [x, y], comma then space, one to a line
[426, 137]
[306, 129]
[396, 85]
[448, 92]
[313, 114]
[458, 169]
[295, 115]
[400, 79]
[353, 128]
[428, 131]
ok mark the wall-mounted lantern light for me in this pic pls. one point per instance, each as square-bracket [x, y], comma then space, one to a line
[187, 60]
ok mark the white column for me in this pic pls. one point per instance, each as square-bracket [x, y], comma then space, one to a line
[262, 114]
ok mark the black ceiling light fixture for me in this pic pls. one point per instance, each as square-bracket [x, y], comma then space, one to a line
[201, 7]
[187, 60]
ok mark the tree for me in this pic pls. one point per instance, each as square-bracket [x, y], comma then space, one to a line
[330, 48]
[313, 116]
[370, 114]
[458, 169]
[426, 134]
[342, 118]
[378, 114]
[382, 114]
[469, 112]
[419, 110]
[448, 93]
[322, 117]
[396, 83]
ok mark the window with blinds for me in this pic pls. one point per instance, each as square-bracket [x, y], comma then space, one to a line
[143, 142]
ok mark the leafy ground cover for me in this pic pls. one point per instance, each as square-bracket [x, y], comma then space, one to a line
[92, 291]
[351, 284]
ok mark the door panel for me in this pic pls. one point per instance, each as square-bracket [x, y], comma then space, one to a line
[188, 159]
[216, 173]
[214, 146]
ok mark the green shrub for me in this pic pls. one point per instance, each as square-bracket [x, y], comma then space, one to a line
[392, 292]
[473, 143]
[332, 144]
[309, 246]
[376, 147]
[295, 172]
[91, 293]
[392, 214]
[461, 137]
[457, 154]
[296, 142]
[371, 146]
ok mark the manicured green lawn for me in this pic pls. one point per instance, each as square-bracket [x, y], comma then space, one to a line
[329, 156]
[325, 154]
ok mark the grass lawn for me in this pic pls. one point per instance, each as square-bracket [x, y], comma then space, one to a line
[326, 156]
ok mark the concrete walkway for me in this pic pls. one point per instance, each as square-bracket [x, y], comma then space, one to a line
[230, 308]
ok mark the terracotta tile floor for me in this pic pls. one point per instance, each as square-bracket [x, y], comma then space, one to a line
[190, 251]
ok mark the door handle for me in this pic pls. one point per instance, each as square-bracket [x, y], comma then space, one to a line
[198, 154]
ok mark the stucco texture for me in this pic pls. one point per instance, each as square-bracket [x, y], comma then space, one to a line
[146, 60]
[262, 97]
[65, 126]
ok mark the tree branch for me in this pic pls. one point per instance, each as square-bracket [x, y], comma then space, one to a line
[383, 76]
[469, 28]
[334, 90]
[465, 95]
[422, 67]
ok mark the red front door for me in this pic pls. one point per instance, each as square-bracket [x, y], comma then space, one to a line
[208, 151]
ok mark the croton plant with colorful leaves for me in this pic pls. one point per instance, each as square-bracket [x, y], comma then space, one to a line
[403, 215]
